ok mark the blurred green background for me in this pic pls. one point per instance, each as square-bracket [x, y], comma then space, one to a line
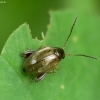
[35, 12]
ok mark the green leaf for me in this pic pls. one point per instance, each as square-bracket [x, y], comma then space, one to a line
[78, 77]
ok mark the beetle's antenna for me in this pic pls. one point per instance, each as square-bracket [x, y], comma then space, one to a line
[82, 55]
[70, 32]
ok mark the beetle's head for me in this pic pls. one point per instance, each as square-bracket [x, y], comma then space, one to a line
[59, 52]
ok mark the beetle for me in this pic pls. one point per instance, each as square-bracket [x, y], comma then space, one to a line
[45, 59]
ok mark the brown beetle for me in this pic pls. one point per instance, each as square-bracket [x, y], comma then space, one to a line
[46, 59]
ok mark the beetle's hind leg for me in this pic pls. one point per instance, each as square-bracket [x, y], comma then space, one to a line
[27, 53]
[56, 67]
[52, 70]
[40, 77]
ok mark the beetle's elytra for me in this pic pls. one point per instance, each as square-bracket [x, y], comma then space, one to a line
[45, 59]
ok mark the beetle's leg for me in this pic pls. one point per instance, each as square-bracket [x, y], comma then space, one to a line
[51, 71]
[56, 67]
[27, 53]
[40, 76]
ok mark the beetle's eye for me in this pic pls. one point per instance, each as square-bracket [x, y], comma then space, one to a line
[63, 56]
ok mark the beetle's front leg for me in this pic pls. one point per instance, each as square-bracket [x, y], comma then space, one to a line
[52, 70]
[27, 53]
